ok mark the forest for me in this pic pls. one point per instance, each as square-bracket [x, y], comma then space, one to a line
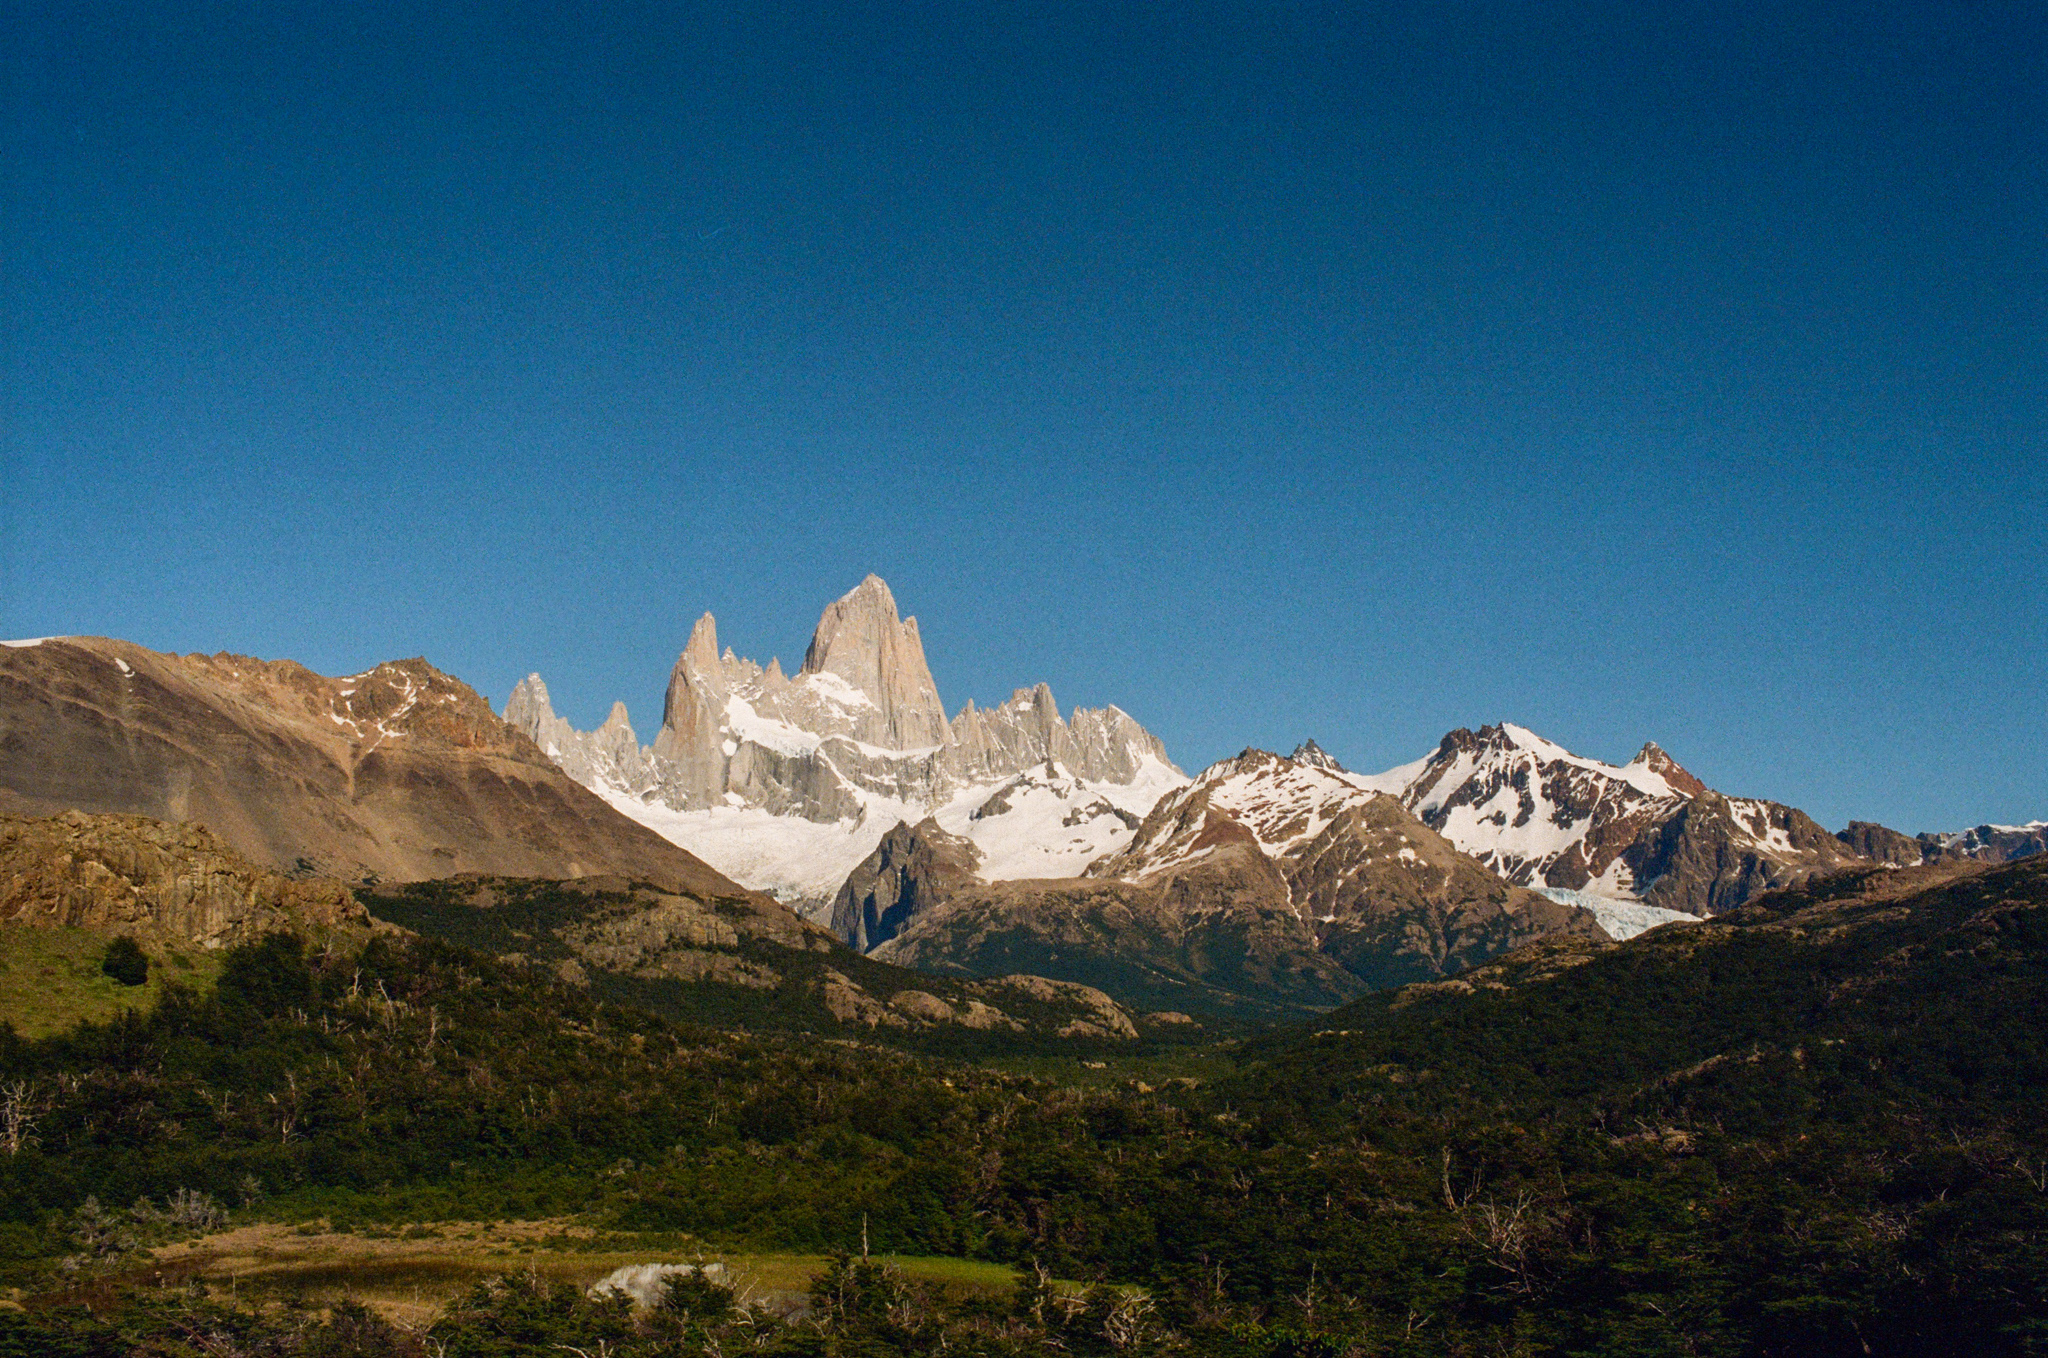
[1814, 1126]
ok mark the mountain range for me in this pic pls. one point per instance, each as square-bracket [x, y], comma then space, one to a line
[840, 808]
[198, 800]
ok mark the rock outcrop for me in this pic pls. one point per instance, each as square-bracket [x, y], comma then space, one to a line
[733, 961]
[169, 883]
[1868, 839]
[1715, 853]
[913, 869]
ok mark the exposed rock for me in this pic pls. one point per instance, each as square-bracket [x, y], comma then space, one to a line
[176, 883]
[1989, 843]
[1867, 839]
[914, 868]
[602, 931]
[399, 773]
[881, 658]
[1648, 831]
[1664, 766]
[1308, 754]
[609, 755]
[1983, 844]
[1716, 852]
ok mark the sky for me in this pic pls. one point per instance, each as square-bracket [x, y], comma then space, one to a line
[1632, 372]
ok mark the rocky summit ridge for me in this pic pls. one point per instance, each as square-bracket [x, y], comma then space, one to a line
[1646, 833]
[1266, 884]
[787, 781]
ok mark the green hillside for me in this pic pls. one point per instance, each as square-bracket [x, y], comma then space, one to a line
[1812, 1128]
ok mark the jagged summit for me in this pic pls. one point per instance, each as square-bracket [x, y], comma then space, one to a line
[1313, 755]
[1654, 759]
[857, 738]
[861, 640]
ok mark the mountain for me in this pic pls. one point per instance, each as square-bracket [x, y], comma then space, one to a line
[1981, 844]
[786, 782]
[1267, 884]
[398, 773]
[1644, 834]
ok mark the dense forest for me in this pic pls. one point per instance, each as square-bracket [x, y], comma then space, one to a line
[1813, 1127]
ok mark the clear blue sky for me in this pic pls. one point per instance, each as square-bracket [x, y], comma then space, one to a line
[1667, 372]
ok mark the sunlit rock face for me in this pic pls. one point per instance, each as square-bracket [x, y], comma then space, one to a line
[787, 782]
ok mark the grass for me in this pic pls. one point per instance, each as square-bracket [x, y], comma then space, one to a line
[50, 977]
[410, 1274]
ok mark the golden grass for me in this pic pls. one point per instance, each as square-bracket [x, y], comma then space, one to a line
[410, 1275]
[50, 977]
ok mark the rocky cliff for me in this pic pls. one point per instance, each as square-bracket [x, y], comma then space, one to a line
[170, 883]
[913, 870]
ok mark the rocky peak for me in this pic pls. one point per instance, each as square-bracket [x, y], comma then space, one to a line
[702, 647]
[1314, 756]
[528, 708]
[911, 871]
[1868, 839]
[1664, 766]
[861, 639]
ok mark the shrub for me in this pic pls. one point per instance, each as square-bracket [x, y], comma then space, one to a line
[126, 962]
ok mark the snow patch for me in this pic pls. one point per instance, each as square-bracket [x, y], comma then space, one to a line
[767, 732]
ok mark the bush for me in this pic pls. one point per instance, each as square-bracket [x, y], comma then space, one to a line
[126, 962]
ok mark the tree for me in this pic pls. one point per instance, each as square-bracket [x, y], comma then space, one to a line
[126, 962]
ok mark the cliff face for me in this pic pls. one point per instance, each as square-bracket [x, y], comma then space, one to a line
[173, 883]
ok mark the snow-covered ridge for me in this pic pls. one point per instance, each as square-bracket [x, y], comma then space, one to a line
[1532, 810]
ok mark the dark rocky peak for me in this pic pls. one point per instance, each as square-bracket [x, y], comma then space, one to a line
[1868, 839]
[1315, 757]
[913, 870]
[1464, 741]
[1250, 759]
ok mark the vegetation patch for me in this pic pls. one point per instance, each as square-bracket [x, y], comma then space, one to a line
[53, 978]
